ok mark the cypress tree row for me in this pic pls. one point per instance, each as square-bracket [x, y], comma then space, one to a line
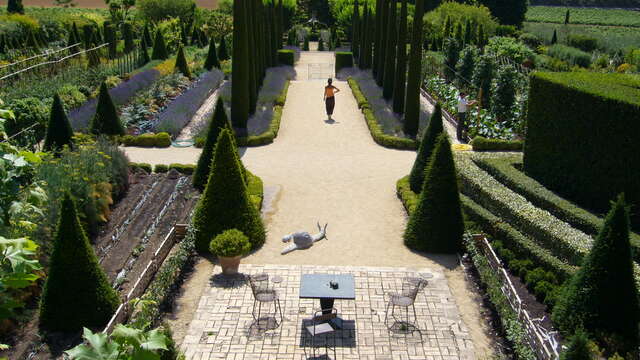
[447, 28]
[427, 145]
[399, 86]
[390, 57]
[383, 42]
[459, 33]
[223, 53]
[181, 63]
[253, 70]
[355, 29]
[412, 103]
[240, 68]
[365, 37]
[602, 297]
[225, 203]
[376, 41]
[274, 36]
[110, 37]
[218, 122]
[146, 35]
[127, 33]
[280, 28]
[212, 57]
[436, 225]
[159, 48]
[468, 33]
[59, 131]
[77, 292]
[15, 7]
[106, 120]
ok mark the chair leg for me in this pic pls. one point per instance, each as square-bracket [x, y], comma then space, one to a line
[253, 311]
[386, 313]
[415, 316]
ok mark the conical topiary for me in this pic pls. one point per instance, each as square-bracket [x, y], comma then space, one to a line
[436, 225]
[212, 57]
[159, 47]
[76, 293]
[578, 347]
[427, 145]
[602, 297]
[225, 203]
[554, 38]
[59, 131]
[223, 54]
[15, 6]
[146, 35]
[106, 120]
[32, 42]
[181, 63]
[127, 34]
[76, 33]
[219, 121]
[195, 37]
[144, 53]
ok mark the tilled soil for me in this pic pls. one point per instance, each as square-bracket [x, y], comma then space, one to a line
[137, 226]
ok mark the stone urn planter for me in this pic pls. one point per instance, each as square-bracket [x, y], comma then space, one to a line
[230, 264]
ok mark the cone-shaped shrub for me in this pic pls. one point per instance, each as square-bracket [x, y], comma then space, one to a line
[146, 35]
[59, 132]
[390, 57]
[76, 33]
[219, 121]
[15, 6]
[400, 85]
[159, 47]
[427, 145]
[32, 42]
[578, 347]
[127, 33]
[195, 37]
[181, 63]
[223, 54]
[212, 57]
[106, 120]
[436, 225]
[602, 297]
[554, 38]
[144, 53]
[412, 102]
[225, 203]
[77, 293]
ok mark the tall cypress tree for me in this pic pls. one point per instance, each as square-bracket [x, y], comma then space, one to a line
[144, 53]
[468, 33]
[280, 13]
[365, 48]
[225, 203]
[390, 57]
[482, 37]
[147, 35]
[274, 34]
[554, 38]
[447, 28]
[412, 103]
[427, 145]
[15, 7]
[181, 63]
[400, 86]
[376, 42]
[212, 57]
[223, 53]
[127, 33]
[240, 68]
[219, 121]
[436, 224]
[195, 37]
[87, 32]
[106, 120]
[253, 70]
[159, 48]
[383, 43]
[355, 29]
[260, 41]
[77, 292]
[110, 37]
[602, 297]
[59, 131]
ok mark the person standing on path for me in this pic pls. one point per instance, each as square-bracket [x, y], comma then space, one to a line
[329, 97]
[463, 109]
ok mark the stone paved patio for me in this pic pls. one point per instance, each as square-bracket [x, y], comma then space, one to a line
[223, 327]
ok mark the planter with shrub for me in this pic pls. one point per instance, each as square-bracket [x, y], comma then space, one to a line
[229, 247]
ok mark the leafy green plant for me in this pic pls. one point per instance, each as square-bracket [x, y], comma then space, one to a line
[19, 269]
[124, 343]
[230, 243]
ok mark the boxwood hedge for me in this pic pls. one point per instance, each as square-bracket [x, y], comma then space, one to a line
[286, 57]
[582, 137]
[343, 60]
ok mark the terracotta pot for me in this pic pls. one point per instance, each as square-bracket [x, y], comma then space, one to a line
[230, 264]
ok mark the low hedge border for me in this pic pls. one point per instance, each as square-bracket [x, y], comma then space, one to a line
[565, 241]
[149, 140]
[503, 169]
[480, 143]
[377, 134]
[496, 228]
[286, 57]
[140, 166]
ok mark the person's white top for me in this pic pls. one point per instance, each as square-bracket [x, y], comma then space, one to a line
[463, 104]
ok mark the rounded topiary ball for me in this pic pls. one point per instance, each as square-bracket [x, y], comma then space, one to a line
[230, 243]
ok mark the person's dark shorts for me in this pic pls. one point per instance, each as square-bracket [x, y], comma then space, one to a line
[330, 103]
[462, 123]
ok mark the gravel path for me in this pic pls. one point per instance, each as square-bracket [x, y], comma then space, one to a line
[333, 172]
[201, 116]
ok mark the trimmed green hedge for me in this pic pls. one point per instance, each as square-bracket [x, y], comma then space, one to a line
[144, 166]
[376, 131]
[480, 143]
[286, 57]
[343, 60]
[161, 140]
[185, 169]
[582, 137]
[160, 169]
[503, 169]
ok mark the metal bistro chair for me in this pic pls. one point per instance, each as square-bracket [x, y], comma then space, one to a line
[321, 325]
[262, 293]
[406, 298]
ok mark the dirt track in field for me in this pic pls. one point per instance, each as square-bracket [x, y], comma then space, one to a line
[99, 4]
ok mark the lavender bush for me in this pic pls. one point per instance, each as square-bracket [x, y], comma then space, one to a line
[120, 94]
[390, 122]
[182, 109]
